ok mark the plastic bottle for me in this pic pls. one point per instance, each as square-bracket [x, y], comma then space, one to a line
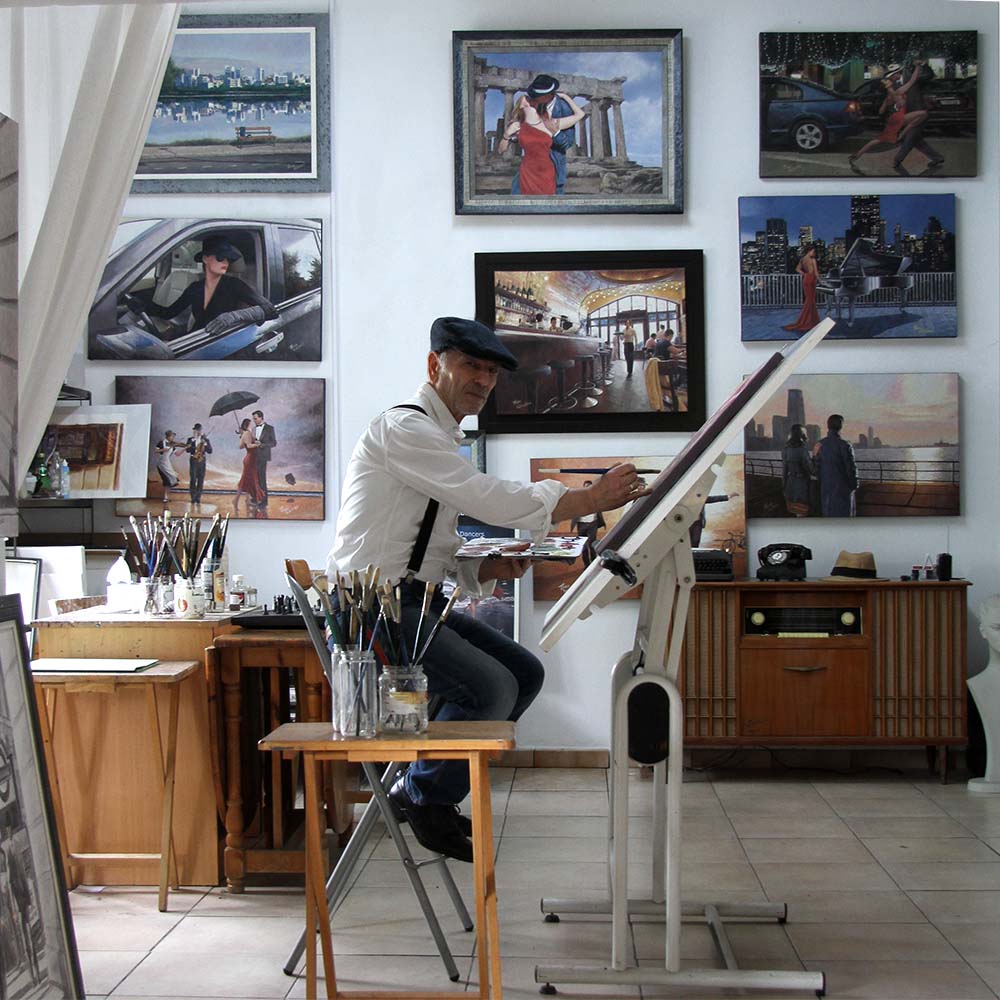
[119, 584]
[65, 490]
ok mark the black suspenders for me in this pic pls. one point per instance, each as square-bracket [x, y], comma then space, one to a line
[430, 515]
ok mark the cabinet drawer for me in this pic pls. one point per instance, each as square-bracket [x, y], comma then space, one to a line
[812, 692]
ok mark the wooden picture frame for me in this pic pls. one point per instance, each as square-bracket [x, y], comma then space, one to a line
[566, 318]
[29, 841]
[610, 161]
[288, 57]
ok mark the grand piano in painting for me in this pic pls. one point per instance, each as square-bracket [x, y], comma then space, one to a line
[863, 271]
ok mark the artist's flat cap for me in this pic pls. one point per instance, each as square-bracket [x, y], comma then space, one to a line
[470, 337]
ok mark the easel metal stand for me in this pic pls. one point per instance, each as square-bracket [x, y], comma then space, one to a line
[655, 658]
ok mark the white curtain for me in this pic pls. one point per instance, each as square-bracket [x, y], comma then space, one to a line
[82, 130]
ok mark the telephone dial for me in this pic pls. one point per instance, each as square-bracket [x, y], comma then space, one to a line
[783, 561]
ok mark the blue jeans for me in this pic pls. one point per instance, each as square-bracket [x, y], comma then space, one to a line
[480, 674]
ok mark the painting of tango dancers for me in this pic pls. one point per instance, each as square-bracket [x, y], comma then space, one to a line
[868, 103]
[252, 448]
[883, 266]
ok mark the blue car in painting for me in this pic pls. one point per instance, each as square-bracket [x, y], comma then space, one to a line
[153, 262]
[805, 116]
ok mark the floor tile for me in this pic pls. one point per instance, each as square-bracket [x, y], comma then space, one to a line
[971, 805]
[994, 844]
[557, 826]
[238, 935]
[558, 804]
[990, 972]
[551, 877]
[975, 942]
[889, 850]
[749, 940]
[820, 907]
[97, 931]
[132, 900]
[700, 879]
[902, 980]
[834, 790]
[907, 826]
[104, 970]
[525, 934]
[789, 826]
[561, 779]
[779, 878]
[710, 993]
[391, 872]
[193, 975]
[802, 849]
[399, 972]
[590, 849]
[519, 981]
[258, 902]
[871, 942]
[944, 875]
[918, 806]
[981, 826]
[958, 907]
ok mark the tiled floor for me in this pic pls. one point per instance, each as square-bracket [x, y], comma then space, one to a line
[893, 888]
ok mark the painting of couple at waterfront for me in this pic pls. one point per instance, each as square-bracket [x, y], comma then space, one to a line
[244, 105]
[252, 448]
[856, 446]
[882, 265]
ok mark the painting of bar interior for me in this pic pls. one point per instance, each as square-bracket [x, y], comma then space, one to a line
[896, 453]
[882, 265]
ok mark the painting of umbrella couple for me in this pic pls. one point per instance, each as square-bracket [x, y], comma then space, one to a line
[252, 448]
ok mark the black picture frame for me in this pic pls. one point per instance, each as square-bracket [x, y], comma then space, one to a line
[609, 178]
[29, 839]
[189, 179]
[653, 271]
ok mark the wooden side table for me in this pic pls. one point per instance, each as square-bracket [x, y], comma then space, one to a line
[169, 675]
[474, 742]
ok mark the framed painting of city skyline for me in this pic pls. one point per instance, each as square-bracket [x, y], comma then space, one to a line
[868, 103]
[617, 97]
[244, 106]
[40, 956]
[858, 445]
[605, 340]
[257, 452]
[882, 265]
[723, 523]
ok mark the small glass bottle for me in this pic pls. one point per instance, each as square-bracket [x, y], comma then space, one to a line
[402, 699]
[43, 484]
[65, 489]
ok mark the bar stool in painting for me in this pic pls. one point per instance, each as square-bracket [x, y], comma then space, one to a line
[587, 387]
[561, 401]
[530, 381]
[604, 352]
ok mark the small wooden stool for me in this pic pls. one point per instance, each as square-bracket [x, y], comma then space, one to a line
[475, 742]
[167, 674]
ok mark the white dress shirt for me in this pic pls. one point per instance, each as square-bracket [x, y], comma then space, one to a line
[405, 458]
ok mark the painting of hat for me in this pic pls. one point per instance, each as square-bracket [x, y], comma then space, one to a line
[854, 566]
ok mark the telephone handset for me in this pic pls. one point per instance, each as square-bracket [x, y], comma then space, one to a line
[783, 561]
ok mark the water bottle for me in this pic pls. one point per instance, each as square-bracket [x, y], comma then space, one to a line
[65, 490]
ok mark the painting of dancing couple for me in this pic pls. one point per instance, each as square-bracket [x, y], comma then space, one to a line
[883, 266]
[248, 447]
[568, 121]
[868, 103]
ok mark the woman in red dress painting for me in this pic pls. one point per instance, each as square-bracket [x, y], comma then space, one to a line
[249, 483]
[533, 128]
[809, 270]
[899, 121]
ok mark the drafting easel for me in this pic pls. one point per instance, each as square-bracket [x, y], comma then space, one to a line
[650, 545]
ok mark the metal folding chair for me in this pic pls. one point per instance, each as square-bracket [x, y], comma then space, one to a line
[379, 805]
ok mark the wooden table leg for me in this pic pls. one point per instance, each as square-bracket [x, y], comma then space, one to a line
[168, 862]
[232, 708]
[487, 920]
[46, 723]
[316, 906]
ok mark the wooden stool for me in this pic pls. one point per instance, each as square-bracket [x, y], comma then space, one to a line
[167, 674]
[474, 742]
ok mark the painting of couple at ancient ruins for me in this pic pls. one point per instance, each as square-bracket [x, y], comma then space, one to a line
[565, 122]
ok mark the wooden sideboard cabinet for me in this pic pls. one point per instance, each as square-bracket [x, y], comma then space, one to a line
[900, 682]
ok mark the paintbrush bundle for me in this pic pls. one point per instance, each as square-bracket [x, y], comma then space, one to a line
[165, 546]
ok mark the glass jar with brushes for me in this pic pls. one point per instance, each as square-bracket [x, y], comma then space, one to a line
[402, 699]
[355, 693]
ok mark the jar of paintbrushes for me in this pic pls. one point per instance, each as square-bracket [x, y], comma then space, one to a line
[356, 694]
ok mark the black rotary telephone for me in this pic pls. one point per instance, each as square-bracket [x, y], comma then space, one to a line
[783, 561]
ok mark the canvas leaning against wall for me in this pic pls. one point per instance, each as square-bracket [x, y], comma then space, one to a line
[868, 103]
[723, 523]
[267, 306]
[856, 446]
[882, 265]
[8, 327]
[252, 448]
[244, 106]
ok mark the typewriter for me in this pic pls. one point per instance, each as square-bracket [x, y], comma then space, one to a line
[712, 564]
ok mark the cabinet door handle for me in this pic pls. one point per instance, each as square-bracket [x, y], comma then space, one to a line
[804, 670]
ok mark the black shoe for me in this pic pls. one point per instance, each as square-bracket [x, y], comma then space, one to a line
[435, 827]
[463, 823]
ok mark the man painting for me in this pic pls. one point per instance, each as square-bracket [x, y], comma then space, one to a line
[266, 440]
[837, 470]
[198, 447]
[542, 93]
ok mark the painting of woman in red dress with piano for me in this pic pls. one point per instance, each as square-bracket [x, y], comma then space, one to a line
[809, 316]
[532, 127]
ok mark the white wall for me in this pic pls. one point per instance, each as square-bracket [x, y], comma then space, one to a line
[400, 257]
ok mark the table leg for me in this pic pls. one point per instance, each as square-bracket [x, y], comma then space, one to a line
[46, 723]
[168, 861]
[277, 677]
[232, 708]
[316, 905]
[487, 920]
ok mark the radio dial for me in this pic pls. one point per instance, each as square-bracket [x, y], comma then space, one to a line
[848, 618]
[757, 618]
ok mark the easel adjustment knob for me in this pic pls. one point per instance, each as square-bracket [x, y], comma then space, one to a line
[619, 566]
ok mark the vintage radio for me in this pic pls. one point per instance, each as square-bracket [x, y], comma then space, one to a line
[802, 622]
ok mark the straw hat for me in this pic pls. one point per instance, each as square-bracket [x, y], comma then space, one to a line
[854, 566]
